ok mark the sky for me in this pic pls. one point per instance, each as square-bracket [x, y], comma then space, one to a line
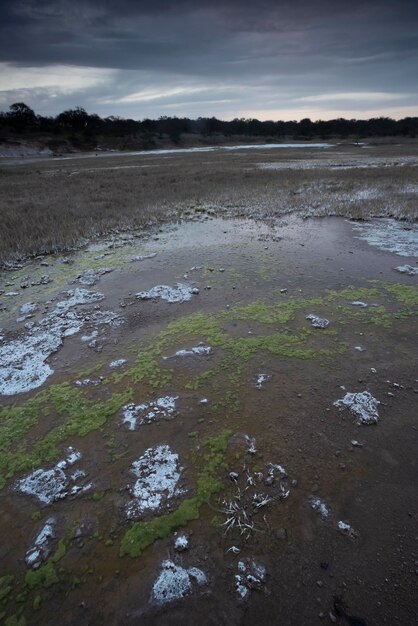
[265, 59]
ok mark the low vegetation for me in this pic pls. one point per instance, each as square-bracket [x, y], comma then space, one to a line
[50, 206]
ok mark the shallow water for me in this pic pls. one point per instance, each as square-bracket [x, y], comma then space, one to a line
[107, 153]
[257, 541]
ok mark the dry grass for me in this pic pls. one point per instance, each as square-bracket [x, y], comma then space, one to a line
[50, 206]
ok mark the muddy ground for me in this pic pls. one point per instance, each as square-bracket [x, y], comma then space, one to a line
[184, 461]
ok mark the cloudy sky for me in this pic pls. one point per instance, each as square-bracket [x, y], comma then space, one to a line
[270, 59]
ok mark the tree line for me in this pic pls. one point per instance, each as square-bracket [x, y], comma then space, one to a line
[21, 119]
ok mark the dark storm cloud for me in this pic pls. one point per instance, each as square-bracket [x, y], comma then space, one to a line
[296, 49]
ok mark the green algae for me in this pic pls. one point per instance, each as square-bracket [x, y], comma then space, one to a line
[80, 416]
[97, 496]
[77, 415]
[15, 620]
[354, 293]
[45, 576]
[5, 587]
[143, 534]
[197, 325]
[263, 313]
[404, 294]
[60, 552]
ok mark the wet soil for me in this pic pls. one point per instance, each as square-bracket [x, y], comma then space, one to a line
[315, 266]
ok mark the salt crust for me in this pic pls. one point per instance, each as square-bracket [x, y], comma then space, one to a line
[135, 415]
[158, 472]
[49, 485]
[362, 405]
[179, 293]
[23, 364]
[175, 582]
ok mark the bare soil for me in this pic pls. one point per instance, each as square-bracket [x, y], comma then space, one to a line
[292, 419]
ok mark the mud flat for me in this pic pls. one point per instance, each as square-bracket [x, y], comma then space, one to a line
[215, 424]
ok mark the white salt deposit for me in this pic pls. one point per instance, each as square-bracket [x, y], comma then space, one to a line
[28, 308]
[144, 256]
[407, 269]
[359, 303]
[200, 350]
[320, 507]
[317, 322]
[347, 530]
[158, 472]
[181, 543]
[40, 549]
[179, 293]
[54, 484]
[261, 380]
[135, 415]
[89, 382]
[175, 582]
[117, 363]
[90, 277]
[388, 234]
[88, 338]
[251, 576]
[78, 296]
[363, 406]
[23, 364]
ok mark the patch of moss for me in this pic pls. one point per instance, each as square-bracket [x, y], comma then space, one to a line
[143, 534]
[80, 417]
[15, 620]
[5, 587]
[21, 597]
[97, 496]
[278, 313]
[146, 367]
[355, 293]
[405, 294]
[197, 325]
[45, 576]
[60, 552]
[37, 602]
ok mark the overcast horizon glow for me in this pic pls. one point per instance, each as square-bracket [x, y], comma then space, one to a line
[232, 59]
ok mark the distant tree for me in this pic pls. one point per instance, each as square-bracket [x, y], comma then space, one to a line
[20, 116]
[73, 119]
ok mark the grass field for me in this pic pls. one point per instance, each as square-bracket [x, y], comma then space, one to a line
[55, 205]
